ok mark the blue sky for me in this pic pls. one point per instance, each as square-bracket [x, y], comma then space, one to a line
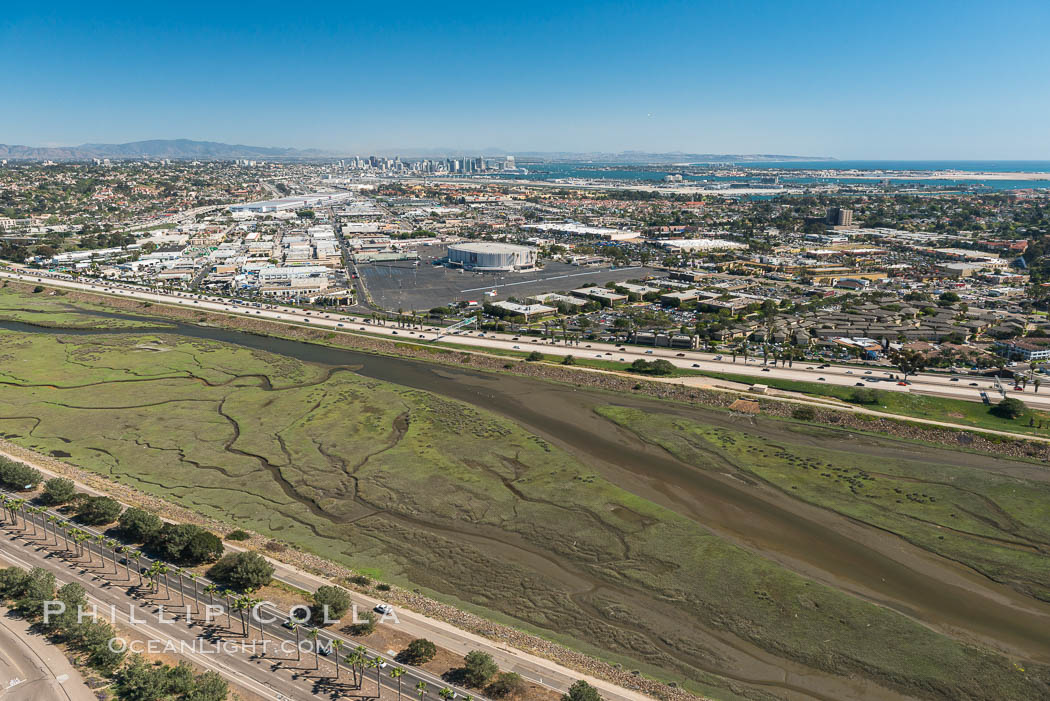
[964, 80]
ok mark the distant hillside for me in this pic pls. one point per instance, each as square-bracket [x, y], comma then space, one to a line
[187, 149]
[178, 149]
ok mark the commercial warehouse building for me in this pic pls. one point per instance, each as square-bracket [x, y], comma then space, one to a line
[316, 199]
[491, 256]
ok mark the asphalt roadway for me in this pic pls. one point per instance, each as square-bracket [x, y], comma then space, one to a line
[32, 669]
[964, 387]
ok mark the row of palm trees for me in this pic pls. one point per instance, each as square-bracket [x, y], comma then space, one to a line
[80, 542]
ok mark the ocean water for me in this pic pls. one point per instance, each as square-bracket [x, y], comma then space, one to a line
[640, 173]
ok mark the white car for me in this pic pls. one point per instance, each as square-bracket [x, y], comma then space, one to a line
[384, 609]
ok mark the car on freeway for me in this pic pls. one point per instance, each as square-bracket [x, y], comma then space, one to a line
[696, 365]
[954, 379]
[867, 372]
[383, 609]
[974, 384]
[680, 355]
[765, 369]
[517, 347]
[821, 379]
[718, 357]
[859, 384]
[649, 352]
[903, 384]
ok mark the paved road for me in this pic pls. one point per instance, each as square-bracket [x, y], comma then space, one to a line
[32, 669]
[260, 664]
[933, 384]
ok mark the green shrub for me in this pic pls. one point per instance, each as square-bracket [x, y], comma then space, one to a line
[238, 535]
[1009, 408]
[98, 511]
[479, 668]
[365, 625]
[581, 691]
[336, 599]
[659, 367]
[241, 571]
[58, 490]
[418, 652]
[139, 525]
[506, 684]
[186, 544]
[18, 476]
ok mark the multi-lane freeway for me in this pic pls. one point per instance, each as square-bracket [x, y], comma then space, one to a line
[967, 387]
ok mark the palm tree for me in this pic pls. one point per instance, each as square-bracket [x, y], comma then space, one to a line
[421, 689]
[126, 552]
[337, 645]
[230, 606]
[178, 576]
[28, 510]
[295, 629]
[312, 635]
[362, 657]
[193, 577]
[138, 565]
[53, 520]
[241, 605]
[397, 673]
[79, 537]
[375, 663]
[16, 508]
[35, 511]
[210, 590]
[355, 659]
[446, 693]
[100, 540]
[154, 576]
[258, 619]
[163, 570]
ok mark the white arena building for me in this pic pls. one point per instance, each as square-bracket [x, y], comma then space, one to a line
[486, 255]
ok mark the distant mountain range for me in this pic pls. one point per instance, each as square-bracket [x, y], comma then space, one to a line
[186, 149]
[178, 149]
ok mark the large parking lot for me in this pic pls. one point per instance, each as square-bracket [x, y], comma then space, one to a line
[404, 285]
